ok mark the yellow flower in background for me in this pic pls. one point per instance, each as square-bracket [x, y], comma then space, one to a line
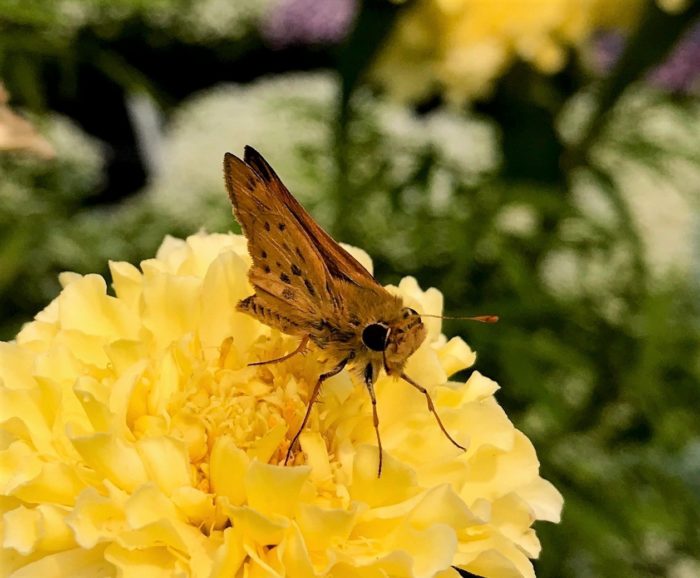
[460, 47]
[135, 441]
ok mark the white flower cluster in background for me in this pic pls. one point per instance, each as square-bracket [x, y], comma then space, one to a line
[191, 20]
[650, 151]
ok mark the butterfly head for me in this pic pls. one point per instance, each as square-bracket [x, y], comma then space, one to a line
[397, 339]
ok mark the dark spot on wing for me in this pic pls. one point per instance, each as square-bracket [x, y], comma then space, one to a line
[251, 183]
[267, 226]
[296, 270]
[263, 254]
[279, 265]
[281, 226]
[287, 293]
[284, 278]
[266, 268]
[310, 287]
[301, 256]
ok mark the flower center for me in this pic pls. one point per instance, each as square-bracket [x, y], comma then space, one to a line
[258, 408]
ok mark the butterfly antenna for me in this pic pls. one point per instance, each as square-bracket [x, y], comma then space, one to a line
[479, 318]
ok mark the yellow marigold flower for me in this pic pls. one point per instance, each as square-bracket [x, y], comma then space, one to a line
[136, 441]
[462, 46]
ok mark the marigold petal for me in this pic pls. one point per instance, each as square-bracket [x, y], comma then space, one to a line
[56, 483]
[167, 301]
[92, 396]
[425, 368]
[42, 528]
[21, 529]
[95, 518]
[113, 458]
[128, 398]
[85, 307]
[494, 473]
[444, 505]
[396, 483]
[274, 490]
[139, 563]
[124, 354]
[54, 533]
[448, 573]
[513, 518]
[314, 447]
[479, 387]
[230, 555]
[221, 287]
[25, 405]
[197, 505]
[258, 528]
[75, 563]
[148, 505]
[323, 528]
[228, 464]
[170, 254]
[166, 462]
[264, 448]
[126, 281]
[15, 367]
[455, 356]
[295, 557]
[431, 549]
[488, 426]
[544, 499]
[18, 465]
[502, 559]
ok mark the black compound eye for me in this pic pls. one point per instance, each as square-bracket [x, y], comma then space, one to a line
[374, 336]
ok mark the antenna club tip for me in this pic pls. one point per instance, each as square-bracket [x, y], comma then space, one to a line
[487, 318]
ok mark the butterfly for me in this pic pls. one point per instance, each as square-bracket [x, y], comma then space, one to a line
[306, 285]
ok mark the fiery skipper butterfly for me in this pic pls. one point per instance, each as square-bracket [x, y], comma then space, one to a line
[308, 286]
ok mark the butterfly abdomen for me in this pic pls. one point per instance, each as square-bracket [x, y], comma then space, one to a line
[268, 316]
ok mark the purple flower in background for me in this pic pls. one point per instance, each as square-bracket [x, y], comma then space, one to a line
[607, 47]
[679, 73]
[292, 22]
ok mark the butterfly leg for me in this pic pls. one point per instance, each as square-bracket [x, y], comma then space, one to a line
[369, 382]
[299, 349]
[431, 407]
[314, 394]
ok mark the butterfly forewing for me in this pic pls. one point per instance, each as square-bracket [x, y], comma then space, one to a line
[288, 274]
[337, 260]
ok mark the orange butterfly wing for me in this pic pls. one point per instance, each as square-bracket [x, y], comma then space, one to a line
[289, 276]
[340, 263]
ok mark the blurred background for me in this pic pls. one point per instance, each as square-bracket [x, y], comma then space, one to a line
[539, 159]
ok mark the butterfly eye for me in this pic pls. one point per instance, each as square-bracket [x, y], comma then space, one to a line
[407, 312]
[374, 336]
